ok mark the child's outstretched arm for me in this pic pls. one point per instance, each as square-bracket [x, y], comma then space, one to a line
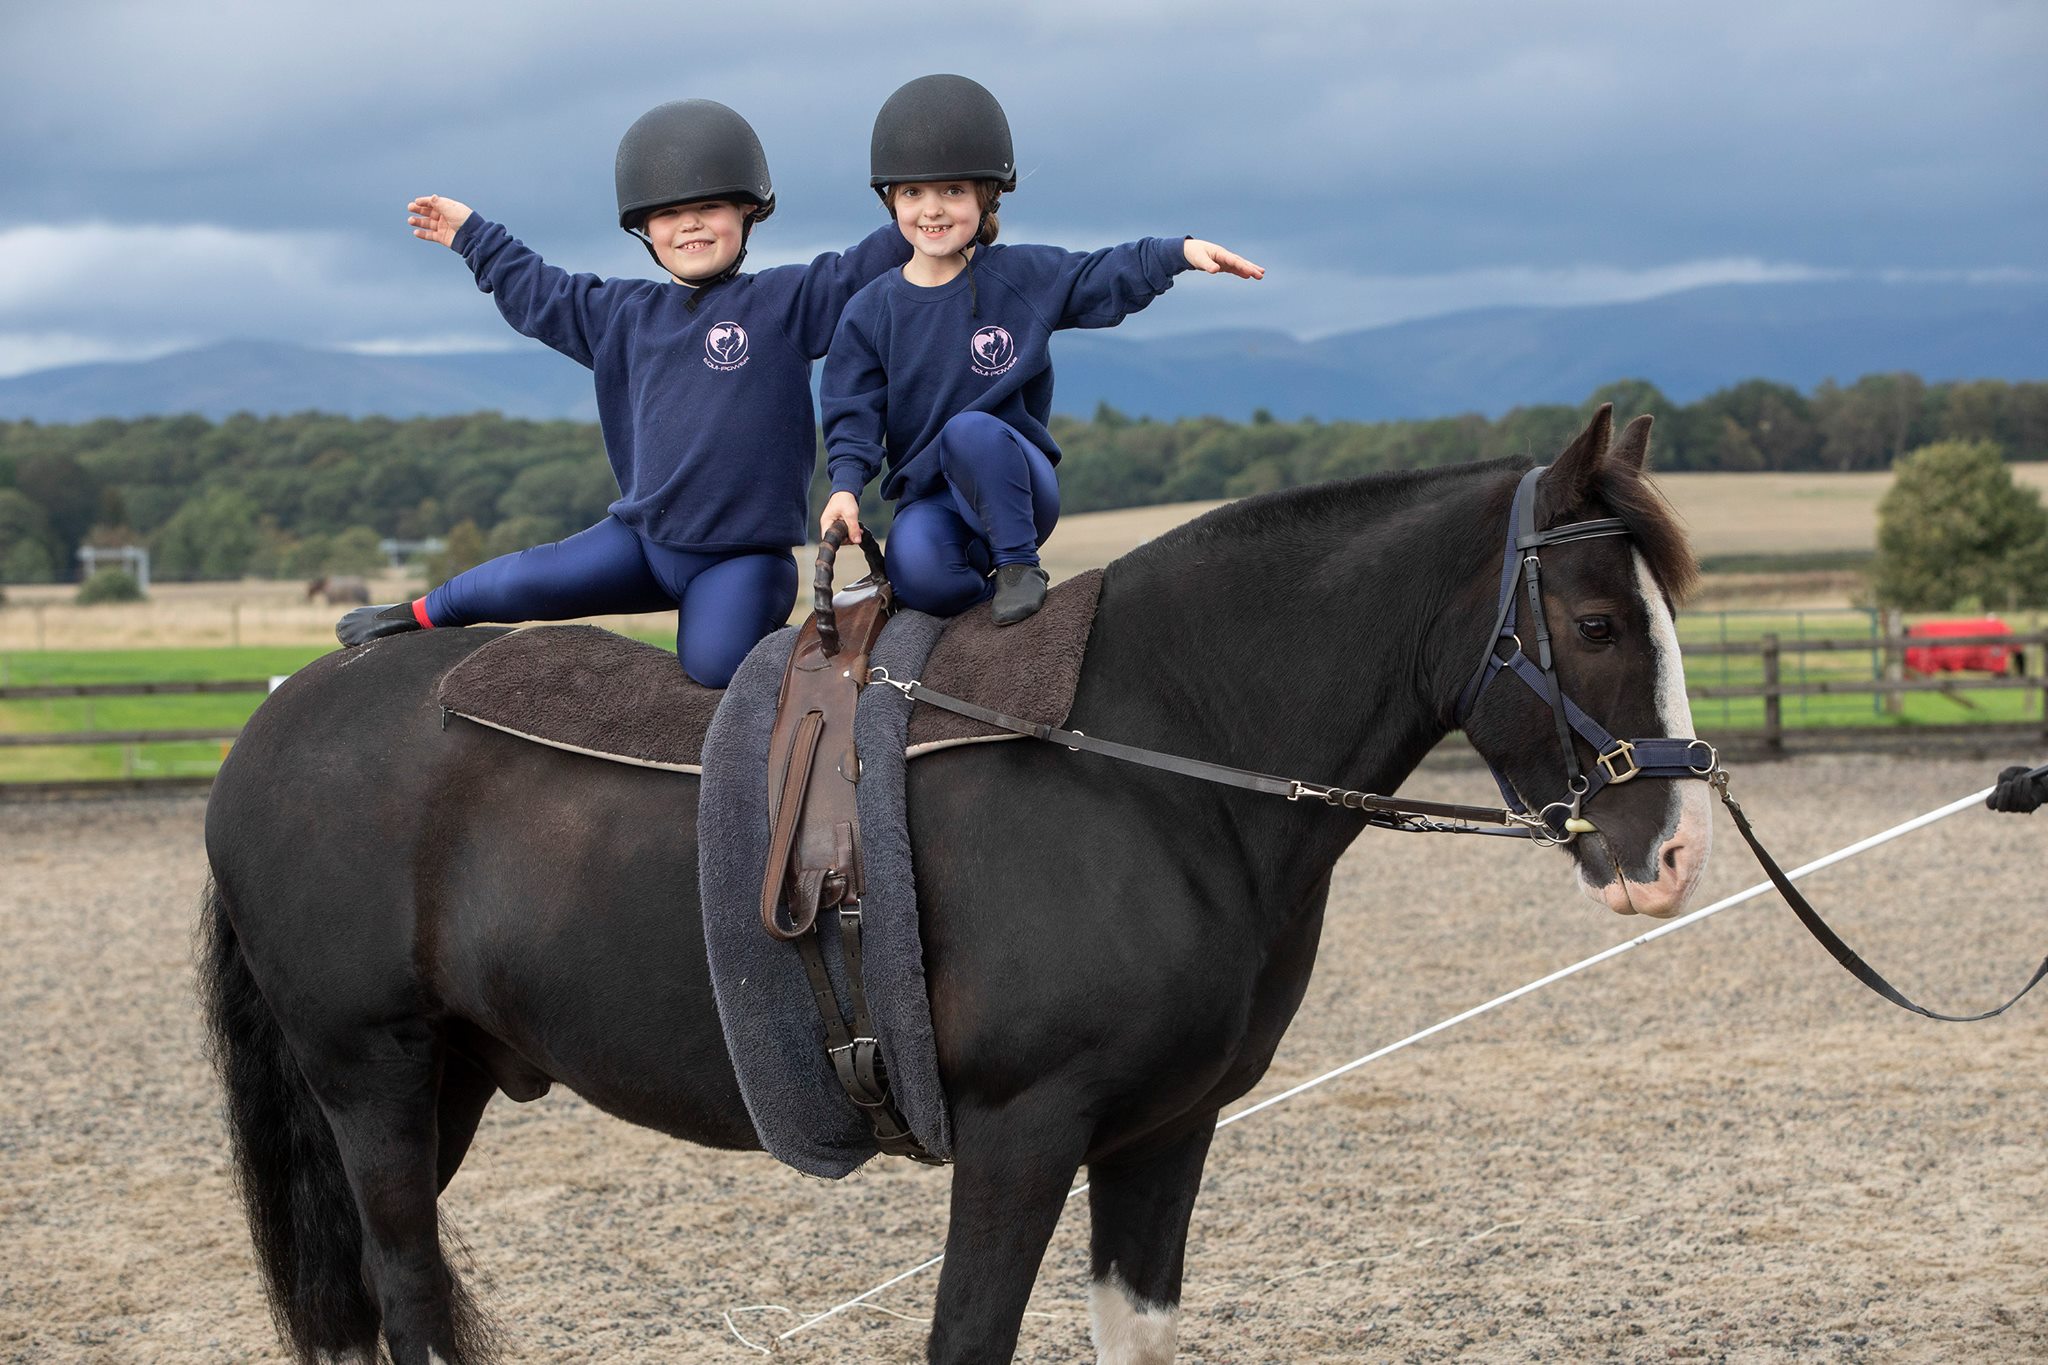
[1216, 260]
[437, 218]
[1101, 288]
[825, 285]
[568, 312]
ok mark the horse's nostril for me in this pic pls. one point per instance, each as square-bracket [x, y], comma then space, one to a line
[1671, 852]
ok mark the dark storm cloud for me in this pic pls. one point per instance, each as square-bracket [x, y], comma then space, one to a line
[178, 172]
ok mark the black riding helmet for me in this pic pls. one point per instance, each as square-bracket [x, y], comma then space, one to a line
[943, 128]
[685, 151]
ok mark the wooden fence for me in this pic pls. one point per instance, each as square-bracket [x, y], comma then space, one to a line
[130, 740]
[1892, 685]
[1770, 739]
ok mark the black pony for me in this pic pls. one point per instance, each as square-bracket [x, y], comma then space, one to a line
[406, 919]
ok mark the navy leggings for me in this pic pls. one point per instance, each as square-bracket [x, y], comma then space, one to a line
[724, 603]
[998, 504]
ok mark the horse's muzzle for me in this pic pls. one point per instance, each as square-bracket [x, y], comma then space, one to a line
[1677, 862]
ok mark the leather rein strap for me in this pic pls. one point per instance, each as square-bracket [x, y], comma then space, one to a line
[1829, 940]
[1415, 817]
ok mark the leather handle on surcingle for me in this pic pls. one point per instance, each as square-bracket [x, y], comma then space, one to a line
[789, 809]
[821, 583]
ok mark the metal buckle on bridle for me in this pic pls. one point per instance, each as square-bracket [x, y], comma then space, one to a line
[1611, 762]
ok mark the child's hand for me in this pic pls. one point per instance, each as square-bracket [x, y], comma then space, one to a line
[1215, 260]
[842, 507]
[437, 218]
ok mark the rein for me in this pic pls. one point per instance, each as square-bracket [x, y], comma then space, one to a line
[1412, 817]
[1616, 760]
[1425, 817]
[1818, 927]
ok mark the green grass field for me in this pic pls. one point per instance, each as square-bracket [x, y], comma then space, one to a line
[84, 762]
[76, 762]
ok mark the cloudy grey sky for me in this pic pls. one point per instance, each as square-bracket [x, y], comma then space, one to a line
[173, 173]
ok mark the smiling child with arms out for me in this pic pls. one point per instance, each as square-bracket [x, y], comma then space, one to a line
[941, 370]
[703, 396]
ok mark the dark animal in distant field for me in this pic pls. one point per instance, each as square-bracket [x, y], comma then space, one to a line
[407, 918]
[338, 590]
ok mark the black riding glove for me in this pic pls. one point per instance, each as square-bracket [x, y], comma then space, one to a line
[365, 624]
[2017, 792]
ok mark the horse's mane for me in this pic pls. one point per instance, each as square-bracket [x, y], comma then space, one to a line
[1653, 527]
[1300, 507]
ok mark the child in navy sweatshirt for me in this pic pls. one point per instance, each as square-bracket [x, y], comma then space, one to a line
[703, 396]
[941, 370]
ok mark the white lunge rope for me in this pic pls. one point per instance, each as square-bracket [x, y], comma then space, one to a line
[1839, 855]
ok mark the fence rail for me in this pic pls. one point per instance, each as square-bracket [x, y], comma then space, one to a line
[17, 740]
[52, 691]
[1888, 650]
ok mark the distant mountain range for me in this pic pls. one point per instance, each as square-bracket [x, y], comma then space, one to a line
[1486, 361]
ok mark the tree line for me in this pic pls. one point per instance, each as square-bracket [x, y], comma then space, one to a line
[312, 493]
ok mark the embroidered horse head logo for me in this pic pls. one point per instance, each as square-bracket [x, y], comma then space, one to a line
[992, 350]
[726, 344]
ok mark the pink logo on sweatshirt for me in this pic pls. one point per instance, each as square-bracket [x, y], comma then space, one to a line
[991, 352]
[725, 346]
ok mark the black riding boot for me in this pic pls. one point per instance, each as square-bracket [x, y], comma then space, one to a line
[1020, 592]
[365, 624]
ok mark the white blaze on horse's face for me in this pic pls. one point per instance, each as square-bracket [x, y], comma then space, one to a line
[1679, 855]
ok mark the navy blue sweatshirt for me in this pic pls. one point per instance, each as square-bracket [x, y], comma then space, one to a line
[706, 414]
[909, 358]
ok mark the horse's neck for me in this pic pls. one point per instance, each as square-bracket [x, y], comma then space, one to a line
[1313, 637]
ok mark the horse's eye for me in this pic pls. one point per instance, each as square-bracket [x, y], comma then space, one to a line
[1598, 629]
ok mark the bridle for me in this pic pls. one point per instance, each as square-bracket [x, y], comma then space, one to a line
[1615, 760]
[1623, 760]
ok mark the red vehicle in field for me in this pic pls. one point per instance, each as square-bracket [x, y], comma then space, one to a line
[1978, 658]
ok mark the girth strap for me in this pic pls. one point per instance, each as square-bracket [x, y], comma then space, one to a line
[856, 1053]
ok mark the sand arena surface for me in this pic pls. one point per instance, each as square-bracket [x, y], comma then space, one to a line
[1717, 1148]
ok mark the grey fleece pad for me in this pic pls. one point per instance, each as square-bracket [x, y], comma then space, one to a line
[772, 1028]
[588, 690]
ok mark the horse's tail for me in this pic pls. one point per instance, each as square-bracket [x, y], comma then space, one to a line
[302, 1215]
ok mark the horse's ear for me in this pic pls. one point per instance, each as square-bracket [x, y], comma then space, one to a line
[1572, 474]
[1632, 448]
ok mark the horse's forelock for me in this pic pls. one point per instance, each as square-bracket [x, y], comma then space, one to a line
[1653, 527]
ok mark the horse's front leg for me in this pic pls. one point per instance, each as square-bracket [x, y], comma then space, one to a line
[1014, 1165]
[1139, 1206]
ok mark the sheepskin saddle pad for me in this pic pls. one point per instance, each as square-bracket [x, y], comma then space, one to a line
[590, 691]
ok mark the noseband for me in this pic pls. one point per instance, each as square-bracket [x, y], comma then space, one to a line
[1615, 760]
